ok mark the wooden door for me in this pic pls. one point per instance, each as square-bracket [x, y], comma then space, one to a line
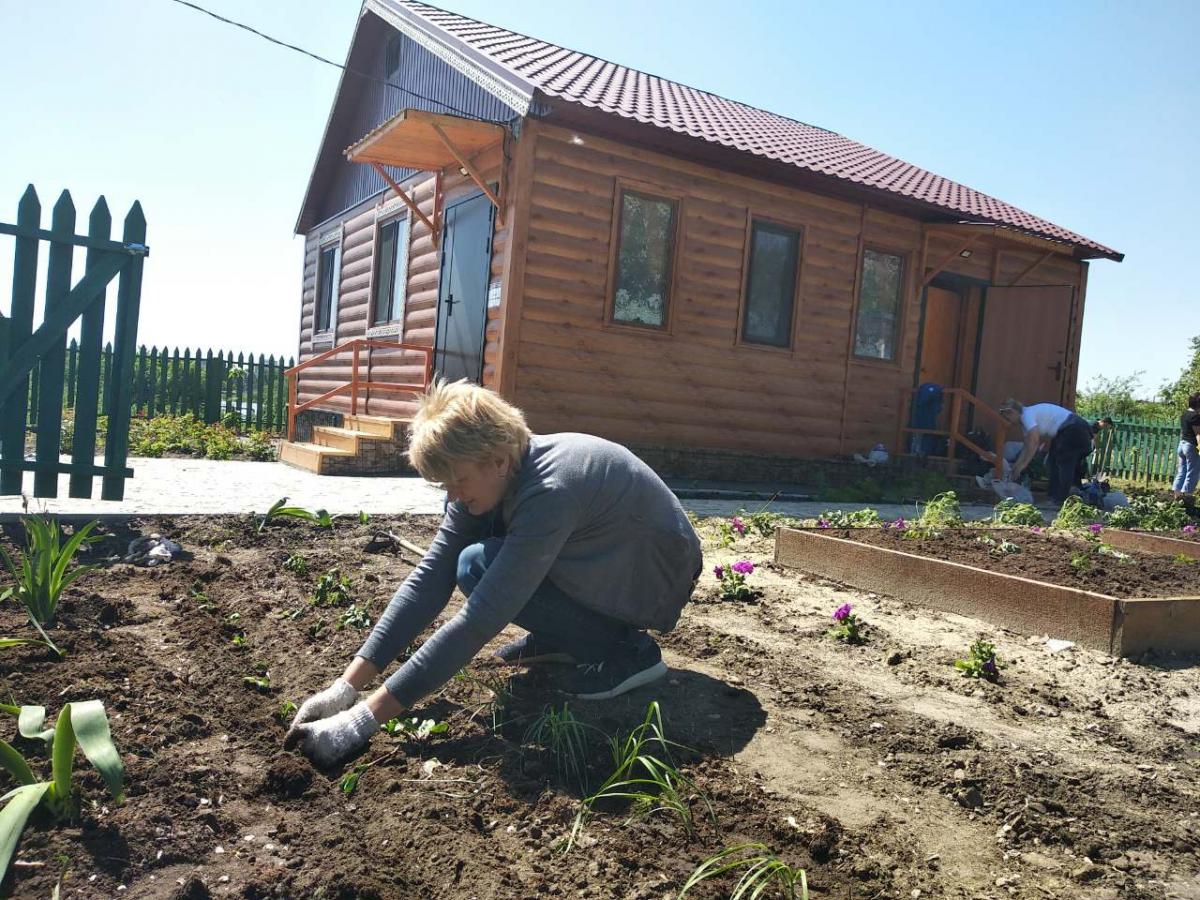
[1023, 345]
[462, 290]
[939, 338]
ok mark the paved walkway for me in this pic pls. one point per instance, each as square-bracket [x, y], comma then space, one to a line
[182, 486]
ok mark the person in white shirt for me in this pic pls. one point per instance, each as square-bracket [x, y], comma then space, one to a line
[1069, 436]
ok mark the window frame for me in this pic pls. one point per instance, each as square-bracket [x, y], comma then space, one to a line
[389, 325]
[622, 187]
[744, 301]
[902, 304]
[325, 244]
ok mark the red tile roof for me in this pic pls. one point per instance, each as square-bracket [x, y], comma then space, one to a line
[579, 78]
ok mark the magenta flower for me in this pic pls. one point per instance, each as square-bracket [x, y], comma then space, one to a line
[821, 523]
[1189, 529]
[719, 572]
[1095, 528]
[1036, 529]
[743, 567]
[738, 525]
[900, 524]
[842, 613]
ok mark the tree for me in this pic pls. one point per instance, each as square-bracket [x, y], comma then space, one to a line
[1176, 393]
[1117, 397]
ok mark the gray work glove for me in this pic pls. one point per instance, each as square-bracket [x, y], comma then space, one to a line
[336, 698]
[331, 740]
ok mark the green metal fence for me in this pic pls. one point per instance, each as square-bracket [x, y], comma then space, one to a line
[1138, 449]
[171, 382]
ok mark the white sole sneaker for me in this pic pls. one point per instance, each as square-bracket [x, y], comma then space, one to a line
[636, 680]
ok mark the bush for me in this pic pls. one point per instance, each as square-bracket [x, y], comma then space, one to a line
[1010, 512]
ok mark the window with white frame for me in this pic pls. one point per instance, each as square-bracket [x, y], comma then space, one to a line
[391, 274]
[329, 268]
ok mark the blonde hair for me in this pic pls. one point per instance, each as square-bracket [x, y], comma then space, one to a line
[1012, 404]
[461, 422]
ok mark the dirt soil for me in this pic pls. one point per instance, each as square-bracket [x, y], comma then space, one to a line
[878, 768]
[1053, 558]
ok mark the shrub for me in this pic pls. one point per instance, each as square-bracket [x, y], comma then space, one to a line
[1076, 515]
[1010, 512]
[1150, 514]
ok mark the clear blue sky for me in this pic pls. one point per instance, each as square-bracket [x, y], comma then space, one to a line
[1085, 113]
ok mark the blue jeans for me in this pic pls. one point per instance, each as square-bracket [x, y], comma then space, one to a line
[552, 616]
[1189, 468]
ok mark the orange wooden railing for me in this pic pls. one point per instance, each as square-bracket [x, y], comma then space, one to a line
[958, 398]
[355, 384]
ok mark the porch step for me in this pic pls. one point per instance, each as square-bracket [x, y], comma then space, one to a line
[377, 425]
[312, 457]
[343, 438]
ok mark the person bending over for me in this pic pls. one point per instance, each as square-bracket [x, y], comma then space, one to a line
[570, 537]
[1070, 439]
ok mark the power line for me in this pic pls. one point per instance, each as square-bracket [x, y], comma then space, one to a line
[330, 62]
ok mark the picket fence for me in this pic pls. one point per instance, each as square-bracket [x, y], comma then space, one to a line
[205, 384]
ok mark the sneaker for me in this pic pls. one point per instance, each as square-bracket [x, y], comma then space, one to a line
[614, 677]
[529, 650]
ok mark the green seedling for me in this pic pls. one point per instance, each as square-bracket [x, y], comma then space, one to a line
[355, 616]
[648, 782]
[1081, 562]
[333, 589]
[239, 640]
[349, 782]
[5, 643]
[415, 728]
[1010, 512]
[363, 518]
[981, 662]
[498, 686]
[286, 710]
[318, 628]
[762, 869]
[279, 509]
[83, 724]
[1149, 514]
[258, 682]
[293, 614]
[233, 617]
[1076, 515]
[1109, 550]
[861, 518]
[296, 564]
[1180, 558]
[942, 511]
[997, 548]
[558, 731]
[44, 570]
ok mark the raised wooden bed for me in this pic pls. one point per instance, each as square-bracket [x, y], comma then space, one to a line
[1150, 542]
[1123, 627]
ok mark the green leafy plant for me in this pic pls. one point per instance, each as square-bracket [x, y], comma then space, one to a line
[1149, 514]
[349, 782]
[558, 731]
[286, 710]
[650, 783]
[1075, 515]
[981, 662]
[354, 616]
[1179, 558]
[997, 548]
[765, 522]
[859, 518]
[849, 628]
[239, 641]
[5, 643]
[260, 683]
[280, 510]
[943, 511]
[1081, 562]
[363, 517]
[1010, 512]
[760, 870]
[296, 564]
[416, 728]
[332, 589]
[44, 570]
[82, 724]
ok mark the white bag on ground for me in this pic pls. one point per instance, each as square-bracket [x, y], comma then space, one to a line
[1012, 490]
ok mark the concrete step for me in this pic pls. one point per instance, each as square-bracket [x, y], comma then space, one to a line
[309, 456]
[382, 426]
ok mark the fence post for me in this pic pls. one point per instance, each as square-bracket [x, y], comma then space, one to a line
[20, 326]
[91, 334]
[53, 361]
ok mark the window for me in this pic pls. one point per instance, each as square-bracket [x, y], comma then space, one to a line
[644, 251]
[329, 265]
[771, 285]
[879, 305]
[391, 277]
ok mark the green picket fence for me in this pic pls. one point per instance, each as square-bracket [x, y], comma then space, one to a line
[1138, 449]
[170, 382]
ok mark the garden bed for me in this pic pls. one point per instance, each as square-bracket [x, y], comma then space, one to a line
[877, 768]
[1124, 603]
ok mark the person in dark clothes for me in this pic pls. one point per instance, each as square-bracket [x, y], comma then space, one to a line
[1070, 439]
[568, 536]
[1189, 455]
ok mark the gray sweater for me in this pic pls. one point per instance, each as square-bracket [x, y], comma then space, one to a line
[585, 513]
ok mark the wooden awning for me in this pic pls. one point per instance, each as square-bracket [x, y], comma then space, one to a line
[428, 141]
[416, 139]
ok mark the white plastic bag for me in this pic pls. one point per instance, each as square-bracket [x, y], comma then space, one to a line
[1012, 490]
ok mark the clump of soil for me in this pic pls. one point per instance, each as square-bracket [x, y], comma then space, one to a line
[288, 777]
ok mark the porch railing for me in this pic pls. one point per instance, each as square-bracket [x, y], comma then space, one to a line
[959, 399]
[356, 384]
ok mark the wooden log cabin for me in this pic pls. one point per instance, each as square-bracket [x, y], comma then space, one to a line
[623, 255]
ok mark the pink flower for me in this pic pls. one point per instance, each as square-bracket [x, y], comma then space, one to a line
[719, 571]
[900, 524]
[743, 567]
[1189, 529]
[738, 525]
[1095, 528]
[1035, 529]
[842, 613]
[821, 523]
